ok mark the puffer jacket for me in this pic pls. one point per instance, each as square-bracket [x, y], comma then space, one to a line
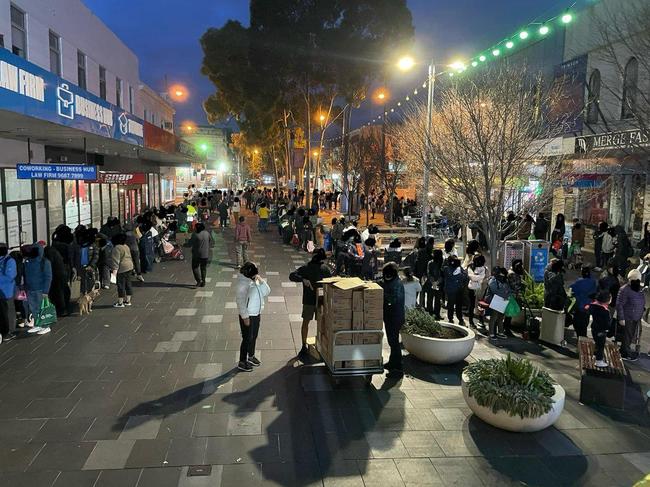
[38, 273]
[8, 273]
[250, 296]
[630, 304]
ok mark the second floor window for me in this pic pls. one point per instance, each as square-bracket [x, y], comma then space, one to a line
[118, 92]
[18, 33]
[55, 54]
[593, 97]
[102, 82]
[630, 88]
[81, 70]
[131, 99]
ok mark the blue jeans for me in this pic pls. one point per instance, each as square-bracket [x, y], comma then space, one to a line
[262, 224]
[33, 303]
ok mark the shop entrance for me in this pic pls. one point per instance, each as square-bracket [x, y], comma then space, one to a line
[20, 224]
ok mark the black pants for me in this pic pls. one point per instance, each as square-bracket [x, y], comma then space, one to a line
[580, 322]
[57, 296]
[455, 302]
[629, 337]
[392, 336]
[600, 337]
[66, 298]
[197, 263]
[124, 284]
[471, 296]
[248, 337]
[135, 256]
[7, 316]
[430, 299]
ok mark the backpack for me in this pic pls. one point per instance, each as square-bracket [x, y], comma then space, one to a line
[84, 256]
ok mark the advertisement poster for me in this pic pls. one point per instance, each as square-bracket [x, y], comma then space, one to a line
[538, 263]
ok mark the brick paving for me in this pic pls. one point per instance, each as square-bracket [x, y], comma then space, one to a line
[136, 396]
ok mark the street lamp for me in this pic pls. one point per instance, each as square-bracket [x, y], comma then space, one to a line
[178, 92]
[431, 79]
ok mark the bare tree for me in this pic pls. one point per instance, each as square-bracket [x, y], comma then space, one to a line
[486, 137]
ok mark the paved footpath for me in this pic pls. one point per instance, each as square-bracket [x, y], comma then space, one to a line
[136, 396]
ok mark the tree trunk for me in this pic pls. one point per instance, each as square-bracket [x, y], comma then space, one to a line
[345, 202]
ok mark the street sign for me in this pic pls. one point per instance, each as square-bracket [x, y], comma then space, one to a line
[56, 171]
[538, 263]
[122, 178]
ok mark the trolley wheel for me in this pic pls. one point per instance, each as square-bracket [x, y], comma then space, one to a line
[157, 260]
[181, 257]
[563, 343]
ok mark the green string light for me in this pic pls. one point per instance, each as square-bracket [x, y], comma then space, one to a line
[496, 52]
[523, 35]
[543, 30]
[510, 45]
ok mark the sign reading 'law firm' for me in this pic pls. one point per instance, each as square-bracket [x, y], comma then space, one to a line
[30, 90]
[56, 171]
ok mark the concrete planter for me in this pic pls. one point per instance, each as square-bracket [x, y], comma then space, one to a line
[503, 420]
[440, 351]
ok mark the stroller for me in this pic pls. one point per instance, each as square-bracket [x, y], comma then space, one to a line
[574, 256]
[168, 250]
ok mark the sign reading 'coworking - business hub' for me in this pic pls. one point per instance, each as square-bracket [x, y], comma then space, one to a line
[28, 89]
[56, 171]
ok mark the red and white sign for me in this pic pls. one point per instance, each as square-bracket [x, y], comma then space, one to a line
[122, 178]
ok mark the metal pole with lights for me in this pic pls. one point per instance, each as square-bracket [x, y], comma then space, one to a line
[425, 193]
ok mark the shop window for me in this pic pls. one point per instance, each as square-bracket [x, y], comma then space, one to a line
[118, 92]
[17, 189]
[54, 204]
[81, 70]
[55, 53]
[3, 227]
[71, 204]
[115, 207]
[106, 202]
[96, 204]
[18, 32]
[630, 88]
[593, 97]
[84, 204]
[131, 100]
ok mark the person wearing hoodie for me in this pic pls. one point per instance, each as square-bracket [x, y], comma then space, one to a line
[104, 263]
[122, 267]
[147, 247]
[629, 310]
[554, 293]
[86, 265]
[8, 273]
[370, 264]
[38, 278]
[57, 288]
[250, 294]
[63, 242]
[608, 247]
[540, 229]
[623, 251]
[476, 272]
[584, 289]
[309, 275]
[412, 288]
[132, 244]
[456, 280]
[394, 314]
[433, 286]
[497, 286]
[600, 324]
[242, 240]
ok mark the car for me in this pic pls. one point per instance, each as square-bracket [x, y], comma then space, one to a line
[250, 183]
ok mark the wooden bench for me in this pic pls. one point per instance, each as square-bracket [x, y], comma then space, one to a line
[601, 385]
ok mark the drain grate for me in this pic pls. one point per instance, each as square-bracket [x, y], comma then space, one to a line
[199, 471]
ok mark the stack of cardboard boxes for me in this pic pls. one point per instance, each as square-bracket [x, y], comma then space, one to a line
[350, 304]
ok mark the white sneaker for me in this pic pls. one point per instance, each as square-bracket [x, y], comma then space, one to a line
[601, 363]
[33, 329]
[118, 305]
[127, 303]
[597, 269]
[43, 331]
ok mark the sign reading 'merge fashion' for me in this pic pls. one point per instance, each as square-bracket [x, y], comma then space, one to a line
[30, 90]
[627, 139]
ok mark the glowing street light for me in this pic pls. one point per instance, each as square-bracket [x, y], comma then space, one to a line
[496, 52]
[406, 63]
[566, 18]
[458, 66]
[510, 45]
[178, 92]
[543, 30]
[204, 147]
[482, 58]
[523, 35]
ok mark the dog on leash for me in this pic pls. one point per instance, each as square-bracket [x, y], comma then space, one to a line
[86, 302]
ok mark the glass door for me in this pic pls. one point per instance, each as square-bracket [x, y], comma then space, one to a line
[20, 225]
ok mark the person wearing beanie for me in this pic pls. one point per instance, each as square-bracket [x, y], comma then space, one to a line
[599, 312]
[629, 309]
[393, 252]
[309, 275]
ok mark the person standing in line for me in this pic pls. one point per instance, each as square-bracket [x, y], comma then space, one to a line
[412, 287]
[554, 293]
[223, 213]
[598, 246]
[309, 275]
[540, 229]
[433, 285]
[38, 279]
[608, 247]
[57, 288]
[86, 263]
[236, 209]
[242, 241]
[63, 242]
[200, 242]
[122, 266]
[497, 286]
[516, 282]
[583, 289]
[476, 272]
[132, 244]
[147, 247]
[250, 294]
[8, 273]
[455, 282]
[394, 315]
[104, 263]
[600, 324]
[630, 306]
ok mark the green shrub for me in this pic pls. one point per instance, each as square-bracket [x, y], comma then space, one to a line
[512, 385]
[419, 322]
[533, 292]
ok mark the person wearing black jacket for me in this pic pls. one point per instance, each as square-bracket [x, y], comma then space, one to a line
[432, 286]
[425, 254]
[59, 281]
[600, 324]
[394, 314]
[315, 270]
[63, 242]
[554, 293]
[540, 229]
[456, 280]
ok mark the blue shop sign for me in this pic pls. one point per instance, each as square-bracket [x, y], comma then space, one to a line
[538, 263]
[30, 90]
[56, 171]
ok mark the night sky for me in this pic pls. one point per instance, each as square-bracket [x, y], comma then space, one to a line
[164, 35]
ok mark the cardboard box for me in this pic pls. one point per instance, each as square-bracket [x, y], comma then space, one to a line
[353, 364]
[373, 295]
[340, 288]
[372, 363]
[371, 338]
[373, 324]
[357, 320]
[343, 339]
[340, 324]
[357, 301]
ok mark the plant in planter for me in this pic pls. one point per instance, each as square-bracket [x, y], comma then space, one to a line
[533, 292]
[433, 341]
[512, 394]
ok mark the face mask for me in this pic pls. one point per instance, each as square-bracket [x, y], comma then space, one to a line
[635, 285]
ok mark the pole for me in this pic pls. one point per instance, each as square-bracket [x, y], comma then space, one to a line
[383, 164]
[425, 192]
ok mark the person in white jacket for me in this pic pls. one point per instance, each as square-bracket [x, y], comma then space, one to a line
[251, 291]
[477, 273]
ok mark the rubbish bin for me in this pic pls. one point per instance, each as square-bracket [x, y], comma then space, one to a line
[536, 258]
[552, 327]
[511, 250]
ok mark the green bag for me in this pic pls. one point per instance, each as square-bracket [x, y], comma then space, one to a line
[183, 228]
[513, 308]
[47, 314]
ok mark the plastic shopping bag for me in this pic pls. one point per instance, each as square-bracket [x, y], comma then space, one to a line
[46, 316]
[512, 308]
[113, 277]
